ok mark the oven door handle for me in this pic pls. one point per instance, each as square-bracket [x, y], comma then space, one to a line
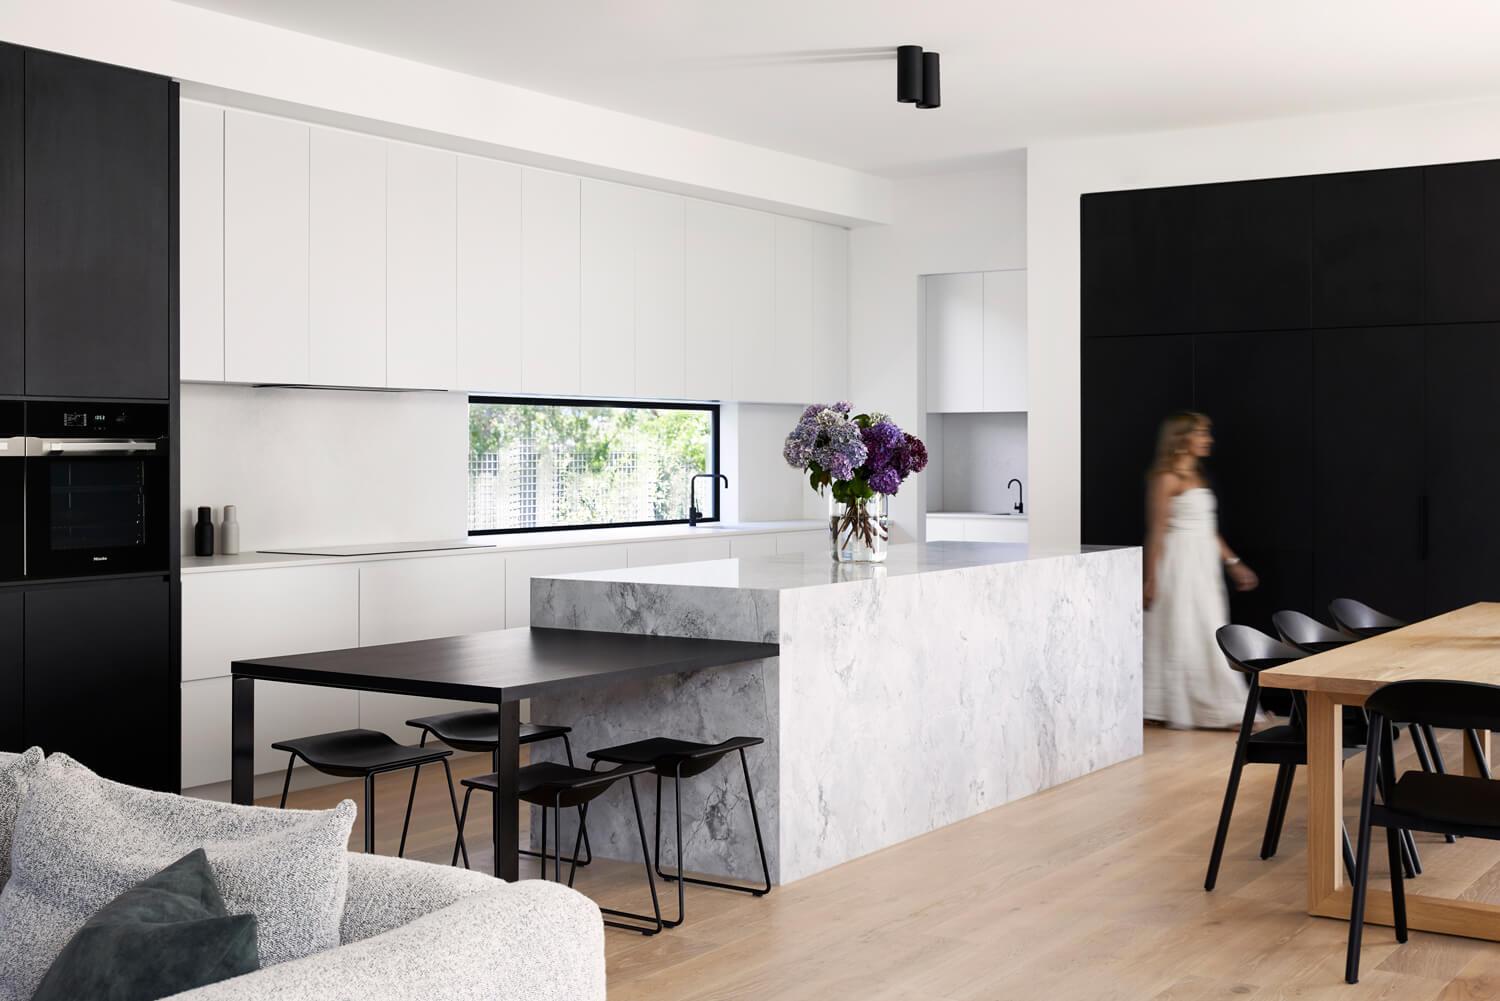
[12, 448]
[37, 447]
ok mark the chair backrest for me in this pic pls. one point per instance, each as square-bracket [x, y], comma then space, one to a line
[1359, 619]
[1304, 631]
[1449, 705]
[1251, 651]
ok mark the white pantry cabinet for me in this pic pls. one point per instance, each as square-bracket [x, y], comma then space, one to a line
[265, 249]
[549, 282]
[1005, 341]
[201, 241]
[489, 275]
[976, 342]
[660, 263]
[611, 216]
[347, 259]
[830, 306]
[421, 267]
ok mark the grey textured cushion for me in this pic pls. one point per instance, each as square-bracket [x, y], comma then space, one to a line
[81, 841]
[14, 768]
[161, 937]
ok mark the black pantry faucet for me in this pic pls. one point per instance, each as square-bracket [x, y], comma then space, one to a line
[693, 513]
[1020, 495]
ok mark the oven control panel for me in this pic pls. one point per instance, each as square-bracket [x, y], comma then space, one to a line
[97, 420]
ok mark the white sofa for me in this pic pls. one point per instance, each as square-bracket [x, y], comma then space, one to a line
[413, 930]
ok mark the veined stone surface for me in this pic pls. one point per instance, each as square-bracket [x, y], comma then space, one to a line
[953, 679]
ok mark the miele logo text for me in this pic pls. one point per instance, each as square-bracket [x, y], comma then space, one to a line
[100, 559]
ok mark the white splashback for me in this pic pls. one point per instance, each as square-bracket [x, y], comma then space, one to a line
[325, 467]
[972, 457]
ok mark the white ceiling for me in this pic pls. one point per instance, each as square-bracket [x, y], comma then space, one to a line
[817, 77]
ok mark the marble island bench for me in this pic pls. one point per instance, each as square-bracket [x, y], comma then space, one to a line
[947, 681]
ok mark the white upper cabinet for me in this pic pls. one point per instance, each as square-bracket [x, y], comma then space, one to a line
[201, 241]
[830, 298]
[489, 275]
[549, 282]
[611, 222]
[976, 342]
[1005, 340]
[660, 343]
[955, 343]
[346, 318]
[421, 267]
[791, 342]
[758, 370]
[711, 236]
[265, 249]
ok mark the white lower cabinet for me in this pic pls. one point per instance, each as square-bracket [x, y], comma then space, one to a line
[406, 600]
[281, 712]
[261, 613]
[803, 542]
[645, 554]
[521, 567]
[752, 545]
[979, 528]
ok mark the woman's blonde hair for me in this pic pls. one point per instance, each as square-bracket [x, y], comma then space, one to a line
[1171, 441]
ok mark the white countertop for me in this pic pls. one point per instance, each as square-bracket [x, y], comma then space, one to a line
[1007, 515]
[508, 543]
[798, 570]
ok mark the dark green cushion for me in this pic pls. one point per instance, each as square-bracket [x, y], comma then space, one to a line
[164, 936]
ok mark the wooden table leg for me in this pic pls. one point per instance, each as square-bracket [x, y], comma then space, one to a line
[1471, 763]
[507, 808]
[242, 741]
[1325, 798]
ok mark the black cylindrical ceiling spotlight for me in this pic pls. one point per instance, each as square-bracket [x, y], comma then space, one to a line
[932, 85]
[909, 74]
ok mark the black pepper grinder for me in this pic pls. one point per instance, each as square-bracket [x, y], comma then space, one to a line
[203, 533]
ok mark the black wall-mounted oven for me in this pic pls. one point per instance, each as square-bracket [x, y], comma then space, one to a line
[83, 489]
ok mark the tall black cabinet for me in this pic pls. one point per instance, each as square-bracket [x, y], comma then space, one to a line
[1343, 332]
[90, 665]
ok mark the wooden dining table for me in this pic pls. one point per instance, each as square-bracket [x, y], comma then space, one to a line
[1462, 645]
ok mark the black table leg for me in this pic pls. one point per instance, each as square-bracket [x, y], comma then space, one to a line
[242, 741]
[507, 811]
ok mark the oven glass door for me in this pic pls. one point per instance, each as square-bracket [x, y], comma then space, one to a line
[89, 510]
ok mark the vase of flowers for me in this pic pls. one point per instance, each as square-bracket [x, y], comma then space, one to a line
[860, 461]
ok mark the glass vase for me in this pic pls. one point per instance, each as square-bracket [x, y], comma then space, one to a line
[859, 532]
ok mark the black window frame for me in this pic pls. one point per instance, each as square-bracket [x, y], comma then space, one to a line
[712, 409]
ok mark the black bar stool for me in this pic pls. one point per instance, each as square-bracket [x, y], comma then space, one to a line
[1419, 801]
[1250, 651]
[1310, 636]
[677, 760]
[1361, 621]
[548, 784]
[477, 731]
[362, 754]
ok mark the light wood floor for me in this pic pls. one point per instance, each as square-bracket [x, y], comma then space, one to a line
[1092, 890]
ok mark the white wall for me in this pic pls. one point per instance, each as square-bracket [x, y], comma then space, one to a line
[324, 467]
[950, 222]
[1059, 172]
[973, 457]
[762, 487]
[242, 62]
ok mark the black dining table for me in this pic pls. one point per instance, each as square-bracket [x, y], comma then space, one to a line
[500, 668]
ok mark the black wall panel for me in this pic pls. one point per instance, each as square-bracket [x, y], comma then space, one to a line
[1251, 247]
[12, 223]
[1136, 272]
[1257, 389]
[1463, 242]
[1367, 248]
[1129, 385]
[11, 736]
[1371, 468]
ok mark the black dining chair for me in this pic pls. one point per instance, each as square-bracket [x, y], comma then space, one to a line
[1461, 805]
[1250, 651]
[1361, 622]
[1311, 636]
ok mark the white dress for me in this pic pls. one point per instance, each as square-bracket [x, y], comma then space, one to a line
[1188, 684]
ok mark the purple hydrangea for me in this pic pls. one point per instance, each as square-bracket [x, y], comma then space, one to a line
[867, 450]
[911, 456]
[828, 438]
[887, 481]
